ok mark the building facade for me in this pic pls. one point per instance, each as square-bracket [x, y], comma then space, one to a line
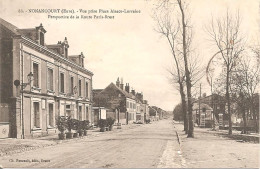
[119, 102]
[40, 82]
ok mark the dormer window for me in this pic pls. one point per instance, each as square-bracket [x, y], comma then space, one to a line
[40, 31]
[41, 38]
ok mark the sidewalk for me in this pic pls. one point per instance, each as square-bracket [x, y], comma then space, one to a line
[209, 149]
[236, 135]
[11, 146]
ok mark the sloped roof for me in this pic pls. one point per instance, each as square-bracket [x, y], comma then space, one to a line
[202, 105]
[126, 94]
[9, 26]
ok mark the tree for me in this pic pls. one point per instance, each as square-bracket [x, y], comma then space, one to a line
[225, 34]
[174, 24]
[170, 29]
[178, 113]
[245, 82]
[185, 46]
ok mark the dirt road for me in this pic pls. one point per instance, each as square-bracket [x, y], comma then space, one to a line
[142, 146]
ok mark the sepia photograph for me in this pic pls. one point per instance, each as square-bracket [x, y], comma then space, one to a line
[129, 84]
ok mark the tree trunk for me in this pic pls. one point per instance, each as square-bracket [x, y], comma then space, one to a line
[244, 119]
[228, 102]
[187, 72]
[190, 118]
[184, 109]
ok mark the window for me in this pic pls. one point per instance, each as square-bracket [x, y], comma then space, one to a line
[36, 114]
[50, 79]
[127, 104]
[80, 112]
[79, 87]
[35, 75]
[203, 109]
[87, 113]
[71, 85]
[51, 122]
[62, 82]
[68, 110]
[86, 89]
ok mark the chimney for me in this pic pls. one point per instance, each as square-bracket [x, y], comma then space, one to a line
[117, 82]
[127, 88]
[65, 46]
[122, 84]
[139, 96]
[81, 59]
[133, 92]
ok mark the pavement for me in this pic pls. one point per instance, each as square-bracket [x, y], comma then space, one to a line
[214, 150]
[162, 144]
[133, 146]
[11, 146]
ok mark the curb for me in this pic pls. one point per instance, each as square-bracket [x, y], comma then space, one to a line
[178, 138]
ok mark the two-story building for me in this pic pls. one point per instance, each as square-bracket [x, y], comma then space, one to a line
[40, 82]
[142, 112]
[120, 103]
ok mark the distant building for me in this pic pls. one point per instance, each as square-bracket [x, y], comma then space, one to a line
[215, 102]
[120, 103]
[40, 82]
[142, 112]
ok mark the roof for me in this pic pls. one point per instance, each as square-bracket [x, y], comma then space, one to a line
[16, 31]
[97, 90]
[202, 105]
[9, 26]
[126, 94]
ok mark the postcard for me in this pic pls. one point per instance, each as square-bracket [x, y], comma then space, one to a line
[129, 84]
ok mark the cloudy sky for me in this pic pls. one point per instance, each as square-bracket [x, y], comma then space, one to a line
[127, 46]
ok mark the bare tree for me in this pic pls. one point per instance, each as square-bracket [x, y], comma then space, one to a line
[185, 46]
[169, 29]
[226, 35]
[173, 23]
[246, 81]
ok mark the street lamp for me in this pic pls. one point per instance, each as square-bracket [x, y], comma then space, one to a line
[23, 86]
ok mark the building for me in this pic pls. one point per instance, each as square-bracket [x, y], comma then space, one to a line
[139, 108]
[202, 114]
[216, 103]
[119, 102]
[40, 82]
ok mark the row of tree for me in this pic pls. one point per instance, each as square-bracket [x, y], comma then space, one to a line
[239, 63]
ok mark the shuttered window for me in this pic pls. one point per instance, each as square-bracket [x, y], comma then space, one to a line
[51, 122]
[71, 85]
[36, 114]
[62, 82]
[80, 113]
[79, 87]
[50, 79]
[86, 89]
[35, 75]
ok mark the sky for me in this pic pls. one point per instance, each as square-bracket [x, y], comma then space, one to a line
[127, 46]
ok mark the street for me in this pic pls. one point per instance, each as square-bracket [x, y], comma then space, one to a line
[141, 146]
[138, 147]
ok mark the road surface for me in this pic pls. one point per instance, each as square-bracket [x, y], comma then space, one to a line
[141, 146]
